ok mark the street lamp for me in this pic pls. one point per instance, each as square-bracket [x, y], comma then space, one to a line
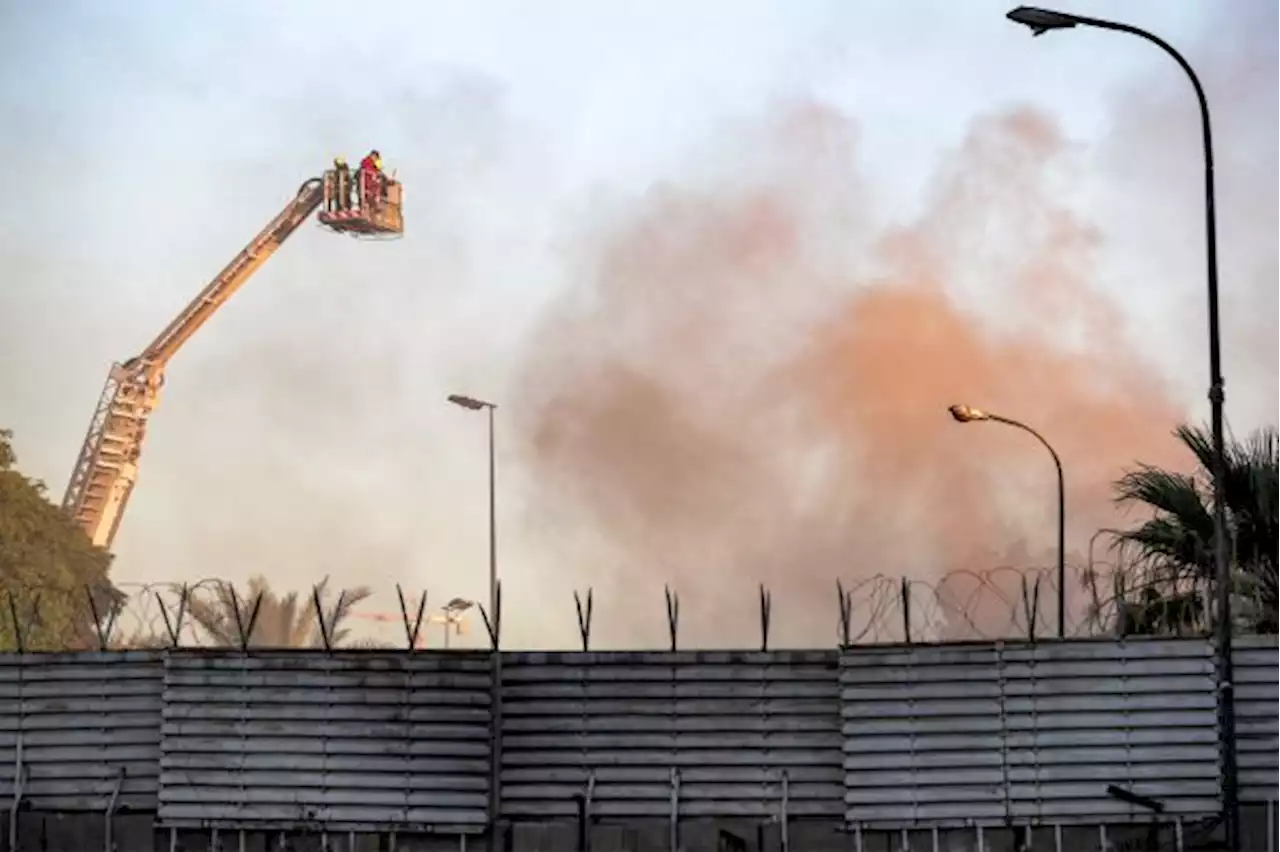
[473, 404]
[1041, 21]
[451, 614]
[966, 414]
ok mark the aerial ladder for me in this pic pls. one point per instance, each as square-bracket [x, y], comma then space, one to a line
[360, 203]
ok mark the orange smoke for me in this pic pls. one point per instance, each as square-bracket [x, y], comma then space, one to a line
[748, 389]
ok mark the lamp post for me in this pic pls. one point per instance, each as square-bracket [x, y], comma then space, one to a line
[451, 616]
[1041, 21]
[473, 404]
[966, 414]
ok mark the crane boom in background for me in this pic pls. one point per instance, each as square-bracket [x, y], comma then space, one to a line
[107, 467]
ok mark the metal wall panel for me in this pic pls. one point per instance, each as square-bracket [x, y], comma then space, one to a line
[739, 730]
[947, 735]
[85, 724]
[368, 741]
[1140, 715]
[923, 735]
[1257, 697]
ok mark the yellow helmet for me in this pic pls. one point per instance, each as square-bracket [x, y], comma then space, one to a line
[339, 161]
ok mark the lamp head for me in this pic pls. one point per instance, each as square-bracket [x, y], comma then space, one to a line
[966, 414]
[457, 605]
[1040, 21]
[468, 402]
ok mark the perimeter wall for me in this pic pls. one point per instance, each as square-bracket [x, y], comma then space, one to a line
[943, 747]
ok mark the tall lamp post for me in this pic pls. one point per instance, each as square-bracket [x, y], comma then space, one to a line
[966, 414]
[473, 404]
[1041, 21]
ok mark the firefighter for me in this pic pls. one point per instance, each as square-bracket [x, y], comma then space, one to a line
[341, 184]
[372, 185]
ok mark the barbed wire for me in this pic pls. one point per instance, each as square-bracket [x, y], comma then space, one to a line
[1109, 600]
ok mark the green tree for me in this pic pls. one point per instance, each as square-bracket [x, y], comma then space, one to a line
[1173, 550]
[49, 568]
[283, 621]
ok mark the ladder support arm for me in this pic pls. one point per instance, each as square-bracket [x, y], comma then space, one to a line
[106, 469]
[232, 277]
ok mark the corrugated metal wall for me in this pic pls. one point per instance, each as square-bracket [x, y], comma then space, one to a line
[86, 723]
[945, 735]
[739, 730]
[352, 741]
[884, 737]
[1257, 698]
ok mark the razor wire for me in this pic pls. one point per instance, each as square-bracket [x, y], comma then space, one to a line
[1003, 603]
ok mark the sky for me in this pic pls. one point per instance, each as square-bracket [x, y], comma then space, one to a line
[721, 265]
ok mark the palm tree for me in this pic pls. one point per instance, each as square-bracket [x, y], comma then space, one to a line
[283, 621]
[1174, 566]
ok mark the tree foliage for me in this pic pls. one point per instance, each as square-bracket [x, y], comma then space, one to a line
[1174, 569]
[282, 621]
[49, 569]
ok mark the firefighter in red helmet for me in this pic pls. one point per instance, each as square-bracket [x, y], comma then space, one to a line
[372, 184]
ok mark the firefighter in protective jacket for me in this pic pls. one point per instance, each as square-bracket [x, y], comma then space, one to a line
[372, 185]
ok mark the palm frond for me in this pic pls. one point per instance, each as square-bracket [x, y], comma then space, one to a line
[1164, 491]
[1175, 546]
[342, 609]
[286, 620]
[215, 617]
[1199, 440]
[1169, 549]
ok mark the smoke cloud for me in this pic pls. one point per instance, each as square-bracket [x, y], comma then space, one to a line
[727, 400]
[748, 383]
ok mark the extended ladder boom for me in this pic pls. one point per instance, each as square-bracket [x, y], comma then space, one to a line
[230, 279]
[106, 470]
[368, 205]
